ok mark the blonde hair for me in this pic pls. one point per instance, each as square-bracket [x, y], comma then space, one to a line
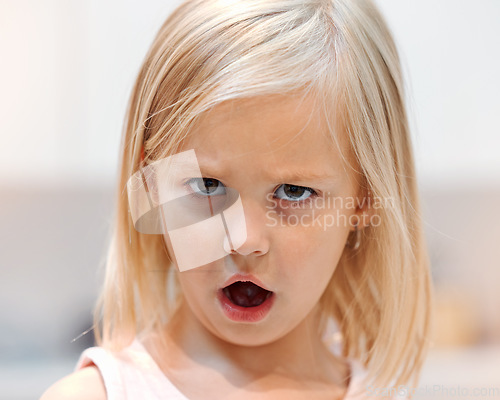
[210, 51]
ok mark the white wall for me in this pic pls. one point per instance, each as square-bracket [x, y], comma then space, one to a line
[451, 53]
[66, 71]
[67, 68]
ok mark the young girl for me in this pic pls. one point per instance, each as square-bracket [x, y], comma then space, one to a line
[267, 194]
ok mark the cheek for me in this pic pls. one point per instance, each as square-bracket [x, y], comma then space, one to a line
[302, 251]
[189, 286]
[198, 292]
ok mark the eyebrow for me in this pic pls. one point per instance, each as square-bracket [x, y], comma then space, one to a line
[304, 176]
[286, 176]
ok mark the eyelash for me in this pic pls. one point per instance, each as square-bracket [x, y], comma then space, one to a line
[192, 193]
[313, 193]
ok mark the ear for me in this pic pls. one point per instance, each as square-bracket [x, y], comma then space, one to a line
[365, 210]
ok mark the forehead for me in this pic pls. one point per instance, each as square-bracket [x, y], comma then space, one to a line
[269, 121]
[274, 132]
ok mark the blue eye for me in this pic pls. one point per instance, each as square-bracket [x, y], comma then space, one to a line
[206, 187]
[209, 187]
[294, 192]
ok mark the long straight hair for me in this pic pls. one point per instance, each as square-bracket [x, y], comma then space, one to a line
[210, 51]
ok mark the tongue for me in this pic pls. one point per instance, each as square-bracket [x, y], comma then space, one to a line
[246, 294]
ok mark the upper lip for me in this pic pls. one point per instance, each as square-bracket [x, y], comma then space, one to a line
[245, 278]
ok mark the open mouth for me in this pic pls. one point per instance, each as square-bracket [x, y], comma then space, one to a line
[246, 294]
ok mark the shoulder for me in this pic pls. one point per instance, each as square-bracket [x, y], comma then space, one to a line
[85, 383]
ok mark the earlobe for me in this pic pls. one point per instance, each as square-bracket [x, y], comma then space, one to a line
[364, 211]
[354, 240]
[361, 220]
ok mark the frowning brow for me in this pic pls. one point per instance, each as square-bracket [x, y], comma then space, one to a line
[302, 175]
[273, 175]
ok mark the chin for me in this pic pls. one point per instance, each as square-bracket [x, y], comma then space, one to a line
[249, 338]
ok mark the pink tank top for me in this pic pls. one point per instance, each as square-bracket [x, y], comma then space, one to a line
[133, 374]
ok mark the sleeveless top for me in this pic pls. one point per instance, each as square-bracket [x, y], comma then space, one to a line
[133, 374]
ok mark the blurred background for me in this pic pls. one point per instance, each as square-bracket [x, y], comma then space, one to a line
[66, 71]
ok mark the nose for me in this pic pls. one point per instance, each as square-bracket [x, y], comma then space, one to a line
[257, 240]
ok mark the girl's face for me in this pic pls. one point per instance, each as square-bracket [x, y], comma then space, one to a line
[277, 153]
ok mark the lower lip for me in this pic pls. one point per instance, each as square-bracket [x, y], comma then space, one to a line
[244, 314]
